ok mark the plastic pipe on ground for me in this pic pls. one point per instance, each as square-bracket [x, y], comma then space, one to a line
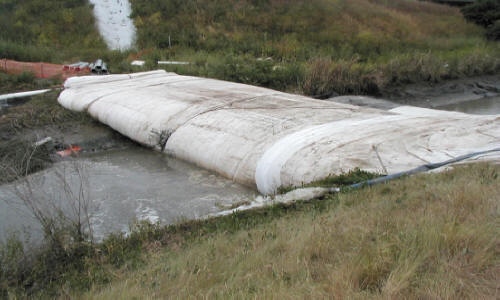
[22, 94]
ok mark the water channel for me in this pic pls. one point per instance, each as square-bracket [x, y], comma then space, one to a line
[124, 186]
[483, 106]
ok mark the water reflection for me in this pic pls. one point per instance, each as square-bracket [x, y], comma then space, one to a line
[484, 106]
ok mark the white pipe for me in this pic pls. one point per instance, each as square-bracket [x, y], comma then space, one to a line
[161, 62]
[43, 141]
[166, 62]
[22, 94]
[138, 63]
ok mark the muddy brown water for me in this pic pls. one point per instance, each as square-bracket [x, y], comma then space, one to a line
[124, 186]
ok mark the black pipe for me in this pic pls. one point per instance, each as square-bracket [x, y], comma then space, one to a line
[424, 168]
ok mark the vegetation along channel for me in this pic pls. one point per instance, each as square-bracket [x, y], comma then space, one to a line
[157, 149]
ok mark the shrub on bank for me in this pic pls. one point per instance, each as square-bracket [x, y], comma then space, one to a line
[326, 78]
[485, 13]
[482, 12]
[493, 32]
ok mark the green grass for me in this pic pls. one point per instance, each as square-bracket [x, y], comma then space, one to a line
[55, 31]
[320, 47]
[49, 30]
[41, 111]
[40, 30]
[24, 82]
[353, 176]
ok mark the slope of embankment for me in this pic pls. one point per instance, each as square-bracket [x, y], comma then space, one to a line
[318, 47]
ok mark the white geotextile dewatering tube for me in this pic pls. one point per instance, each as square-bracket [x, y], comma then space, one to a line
[267, 139]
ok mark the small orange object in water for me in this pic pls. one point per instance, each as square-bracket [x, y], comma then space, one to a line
[70, 150]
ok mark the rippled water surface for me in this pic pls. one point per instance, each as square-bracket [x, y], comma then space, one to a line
[126, 185]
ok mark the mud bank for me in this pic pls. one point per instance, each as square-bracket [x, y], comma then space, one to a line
[39, 120]
[479, 95]
[91, 137]
[445, 93]
[126, 181]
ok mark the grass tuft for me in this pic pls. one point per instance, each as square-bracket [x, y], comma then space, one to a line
[353, 176]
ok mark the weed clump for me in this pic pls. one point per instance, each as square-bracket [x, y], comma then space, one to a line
[24, 81]
[345, 179]
[20, 158]
[326, 78]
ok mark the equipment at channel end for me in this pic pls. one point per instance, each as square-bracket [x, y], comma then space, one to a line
[99, 67]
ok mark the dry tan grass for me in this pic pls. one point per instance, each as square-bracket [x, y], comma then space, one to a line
[426, 237]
